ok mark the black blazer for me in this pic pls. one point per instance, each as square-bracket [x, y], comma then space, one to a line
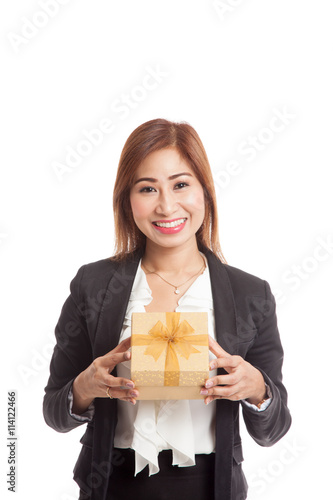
[89, 326]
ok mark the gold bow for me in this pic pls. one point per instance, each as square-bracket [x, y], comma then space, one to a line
[176, 339]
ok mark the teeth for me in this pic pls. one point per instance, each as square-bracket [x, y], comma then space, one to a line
[170, 224]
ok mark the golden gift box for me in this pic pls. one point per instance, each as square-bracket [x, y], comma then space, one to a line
[170, 354]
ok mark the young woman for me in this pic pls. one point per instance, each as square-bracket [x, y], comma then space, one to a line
[167, 258]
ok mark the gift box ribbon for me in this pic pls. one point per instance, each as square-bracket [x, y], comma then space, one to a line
[174, 337]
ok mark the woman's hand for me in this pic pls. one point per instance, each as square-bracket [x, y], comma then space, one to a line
[93, 382]
[243, 380]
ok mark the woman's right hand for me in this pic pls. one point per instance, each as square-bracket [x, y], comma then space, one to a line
[93, 382]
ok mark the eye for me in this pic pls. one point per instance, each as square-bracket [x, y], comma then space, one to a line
[147, 189]
[181, 185]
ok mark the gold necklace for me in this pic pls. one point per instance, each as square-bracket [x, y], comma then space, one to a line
[176, 291]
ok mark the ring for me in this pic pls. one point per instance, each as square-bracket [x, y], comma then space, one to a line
[107, 392]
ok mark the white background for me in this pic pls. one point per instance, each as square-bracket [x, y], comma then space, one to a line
[227, 74]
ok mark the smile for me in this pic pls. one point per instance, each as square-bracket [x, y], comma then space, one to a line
[174, 223]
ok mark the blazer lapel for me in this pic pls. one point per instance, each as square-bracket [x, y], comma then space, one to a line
[226, 335]
[114, 306]
[224, 305]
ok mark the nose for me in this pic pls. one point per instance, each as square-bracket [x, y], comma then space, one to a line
[166, 204]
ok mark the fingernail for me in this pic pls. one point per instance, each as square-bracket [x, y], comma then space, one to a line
[134, 394]
[203, 391]
[130, 384]
[213, 366]
[209, 383]
[207, 401]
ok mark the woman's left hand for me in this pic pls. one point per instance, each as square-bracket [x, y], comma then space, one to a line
[243, 381]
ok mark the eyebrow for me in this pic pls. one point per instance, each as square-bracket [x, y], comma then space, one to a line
[151, 179]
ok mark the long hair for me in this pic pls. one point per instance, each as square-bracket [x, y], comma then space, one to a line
[145, 139]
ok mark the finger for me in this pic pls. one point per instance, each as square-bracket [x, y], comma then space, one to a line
[122, 346]
[112, 358]
[129, 395]
[230, 379]
[227, 362]
[216, 349]
[116, 382]
[125, 394]
[131, 400]
[228, 392]
[209, 399]
[128, 400]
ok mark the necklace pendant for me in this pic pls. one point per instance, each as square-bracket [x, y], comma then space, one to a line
[176, 291]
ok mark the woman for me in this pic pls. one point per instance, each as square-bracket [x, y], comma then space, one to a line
[167, 258]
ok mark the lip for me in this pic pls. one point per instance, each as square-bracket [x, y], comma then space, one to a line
[170, 230]
[169, 220]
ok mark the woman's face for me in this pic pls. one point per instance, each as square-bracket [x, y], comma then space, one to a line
[167, 199]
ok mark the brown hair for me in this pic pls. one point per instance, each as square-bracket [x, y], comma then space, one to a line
[145, 139]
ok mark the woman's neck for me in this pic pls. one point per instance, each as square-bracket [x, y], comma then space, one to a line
[172, 261]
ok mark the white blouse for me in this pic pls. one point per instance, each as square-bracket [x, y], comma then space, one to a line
[187, 427]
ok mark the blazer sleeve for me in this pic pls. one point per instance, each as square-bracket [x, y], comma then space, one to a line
[72, 354]
[266, 354]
